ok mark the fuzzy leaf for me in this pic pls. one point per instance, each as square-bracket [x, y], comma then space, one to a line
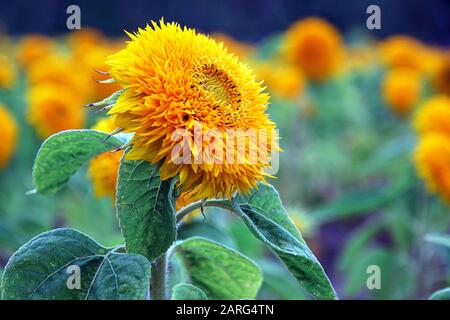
[145, 207]
[62, 154]
[42, 269]
[220, 272]
[265, 216]
[186, 291]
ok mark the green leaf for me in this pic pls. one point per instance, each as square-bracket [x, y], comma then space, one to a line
[220, 272]
[443, 294]
[44, 267]
[145, 207]
[439, 239]
[186, 291]
[62, 154]
[264, 214]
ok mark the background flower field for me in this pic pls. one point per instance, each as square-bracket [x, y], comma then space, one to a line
[364, 122]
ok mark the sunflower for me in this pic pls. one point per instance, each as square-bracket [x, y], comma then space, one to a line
[177, 80]
[34, 47]
[103, 169]
[7, 73]
[281, 79]
[432, 161]
[54, 108]
[404, 52]
[434, 116]
[401, 89]
[316, 47]
[61, 71]
[8, 132]
[242, 49]
[441, 78]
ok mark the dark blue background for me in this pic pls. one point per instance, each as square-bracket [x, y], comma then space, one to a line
[252, 20]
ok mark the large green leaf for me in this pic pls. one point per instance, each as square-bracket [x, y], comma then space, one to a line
[220, 272]
[145, 207]
[41, 269]
[443, 294]
[264, 214]
[62, 154]
[186, 291]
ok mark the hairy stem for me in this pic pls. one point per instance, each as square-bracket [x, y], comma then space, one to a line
[158, 280]
[225, 204]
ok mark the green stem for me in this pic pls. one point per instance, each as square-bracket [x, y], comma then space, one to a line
[158, 280]
[225, 204]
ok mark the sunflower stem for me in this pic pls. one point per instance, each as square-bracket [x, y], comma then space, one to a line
[158, 280]
[224, 204]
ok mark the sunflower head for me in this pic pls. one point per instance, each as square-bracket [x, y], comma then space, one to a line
[401, 89]
[34, 47]
[8, 132]
[7, 72]
[281, 79]
[186, 98]
[432, 161]
[316, 47]
[53, 108]
[441, 78]
[403, 51]
[103, 169]
[433, 116]
[241, 49]
[61, 71]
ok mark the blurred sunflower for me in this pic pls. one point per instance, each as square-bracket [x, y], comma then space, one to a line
[34, 47]
[176, 79]
[432, 161]
[8, 132]
[103, 169]
[7, 72]
[93, 59]
[401, 89]
[404, 52]
[441, 79]
[433, 116]
[242, 49]
[316, 47]
[54, 108]
[61, 71]
[281, 79]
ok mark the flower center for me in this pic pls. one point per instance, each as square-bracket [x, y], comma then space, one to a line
[219, 85]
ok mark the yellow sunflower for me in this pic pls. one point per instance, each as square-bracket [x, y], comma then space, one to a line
[177, 80]
[34, 47]
[8, 132]
[432, 161]
[7, 72]
[434, 116]
[54, 108]
[316, 47]
[441, 78]
[401, 89]
[281, 79]
[61, 71]
[103, 169]
[242, 49]
[403, 51]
